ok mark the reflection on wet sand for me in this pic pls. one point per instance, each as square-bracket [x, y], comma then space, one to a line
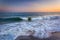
[55, 36]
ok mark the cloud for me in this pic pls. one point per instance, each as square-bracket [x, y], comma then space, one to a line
[15, 1]
[32, 5]
[23, 2]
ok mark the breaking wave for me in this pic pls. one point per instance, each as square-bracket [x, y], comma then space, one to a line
[40, 27]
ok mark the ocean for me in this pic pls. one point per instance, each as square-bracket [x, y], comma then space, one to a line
[7, 17]
[26, 14]
[41, 25]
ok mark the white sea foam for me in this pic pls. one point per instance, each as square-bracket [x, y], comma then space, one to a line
[40, 27]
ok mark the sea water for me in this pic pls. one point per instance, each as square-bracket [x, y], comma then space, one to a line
[40, 26]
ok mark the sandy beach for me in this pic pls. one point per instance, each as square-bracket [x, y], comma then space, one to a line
[55, 36]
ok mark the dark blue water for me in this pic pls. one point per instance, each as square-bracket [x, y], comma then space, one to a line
[21, 14]
[26, 14]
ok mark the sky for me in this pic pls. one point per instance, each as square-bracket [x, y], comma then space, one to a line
[30, 5]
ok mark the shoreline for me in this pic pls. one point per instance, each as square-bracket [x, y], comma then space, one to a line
[55, 36]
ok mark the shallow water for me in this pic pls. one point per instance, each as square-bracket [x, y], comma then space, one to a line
[39, 27]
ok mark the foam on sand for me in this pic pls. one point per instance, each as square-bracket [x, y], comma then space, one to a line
[37, 28]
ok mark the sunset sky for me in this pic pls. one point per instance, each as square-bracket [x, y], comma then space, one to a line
[30, 5]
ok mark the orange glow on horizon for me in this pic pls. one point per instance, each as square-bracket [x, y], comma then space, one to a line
[33, 9]
[50, 8]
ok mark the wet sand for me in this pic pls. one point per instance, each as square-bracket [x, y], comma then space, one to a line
[55, 36]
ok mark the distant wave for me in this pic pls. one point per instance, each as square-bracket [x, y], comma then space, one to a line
[45, 18]
[11, 19]
[15, 19]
